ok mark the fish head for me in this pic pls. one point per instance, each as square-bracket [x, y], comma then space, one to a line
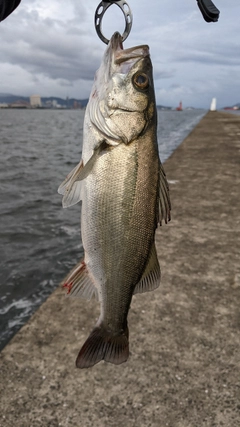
[122, 102]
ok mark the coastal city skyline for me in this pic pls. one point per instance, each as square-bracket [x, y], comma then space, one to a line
[36, 101]
[53, 48]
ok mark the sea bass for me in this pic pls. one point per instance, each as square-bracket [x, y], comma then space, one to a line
[124, 194]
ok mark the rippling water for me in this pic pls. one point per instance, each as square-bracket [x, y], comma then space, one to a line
[40, 241]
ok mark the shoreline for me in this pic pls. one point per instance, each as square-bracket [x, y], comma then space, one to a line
[26, 292]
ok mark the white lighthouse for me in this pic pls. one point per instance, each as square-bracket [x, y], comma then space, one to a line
[213, 105]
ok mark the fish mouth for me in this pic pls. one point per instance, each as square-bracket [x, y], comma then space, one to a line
[131, 54]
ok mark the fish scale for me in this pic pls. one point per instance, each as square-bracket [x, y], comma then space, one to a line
[124, 194]
[111, 220]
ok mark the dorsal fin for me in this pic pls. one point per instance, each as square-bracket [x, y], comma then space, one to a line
[164, 197]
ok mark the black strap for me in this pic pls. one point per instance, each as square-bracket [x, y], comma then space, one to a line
[209, 11]
[7, 7]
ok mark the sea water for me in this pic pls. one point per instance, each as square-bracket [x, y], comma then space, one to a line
[39, 240]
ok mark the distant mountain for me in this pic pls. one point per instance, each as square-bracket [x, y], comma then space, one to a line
[162, 107]
[5, 94]
[68, 102]
[9, 99]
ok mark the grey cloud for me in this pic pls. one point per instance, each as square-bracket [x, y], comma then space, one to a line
[51, 45]
[160, 73]
[208, 58]
[52, 48]
[175, 86]
[210, 49]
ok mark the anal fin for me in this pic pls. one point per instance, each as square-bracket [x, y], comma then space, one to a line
[150, 279]
[79, 283]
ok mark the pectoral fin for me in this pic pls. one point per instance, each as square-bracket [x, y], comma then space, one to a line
[79, 283]
[87, 169]
[151, 277]
[71, 186]
[164, 198]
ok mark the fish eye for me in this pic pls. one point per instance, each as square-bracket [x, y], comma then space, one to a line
[141, 81]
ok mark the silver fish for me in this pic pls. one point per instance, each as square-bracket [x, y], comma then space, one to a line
[124, 194]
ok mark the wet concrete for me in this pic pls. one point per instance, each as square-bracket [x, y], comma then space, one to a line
[184, 368]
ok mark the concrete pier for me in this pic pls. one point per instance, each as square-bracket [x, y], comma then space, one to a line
[184, 368]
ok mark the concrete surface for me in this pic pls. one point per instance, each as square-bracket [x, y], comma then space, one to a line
[184, 368]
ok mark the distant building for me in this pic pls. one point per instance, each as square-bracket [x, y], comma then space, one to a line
[19, 104]
[55, 104]
[35, 101]
[77, 104]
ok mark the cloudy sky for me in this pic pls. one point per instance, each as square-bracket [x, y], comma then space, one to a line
[50, 47]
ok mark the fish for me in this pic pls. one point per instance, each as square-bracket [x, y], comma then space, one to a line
[125, 196]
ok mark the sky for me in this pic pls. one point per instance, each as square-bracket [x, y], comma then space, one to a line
[51, 48]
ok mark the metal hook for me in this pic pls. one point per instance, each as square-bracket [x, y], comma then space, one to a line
[101, 9]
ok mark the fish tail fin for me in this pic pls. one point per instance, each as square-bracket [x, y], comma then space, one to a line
[103, 345]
